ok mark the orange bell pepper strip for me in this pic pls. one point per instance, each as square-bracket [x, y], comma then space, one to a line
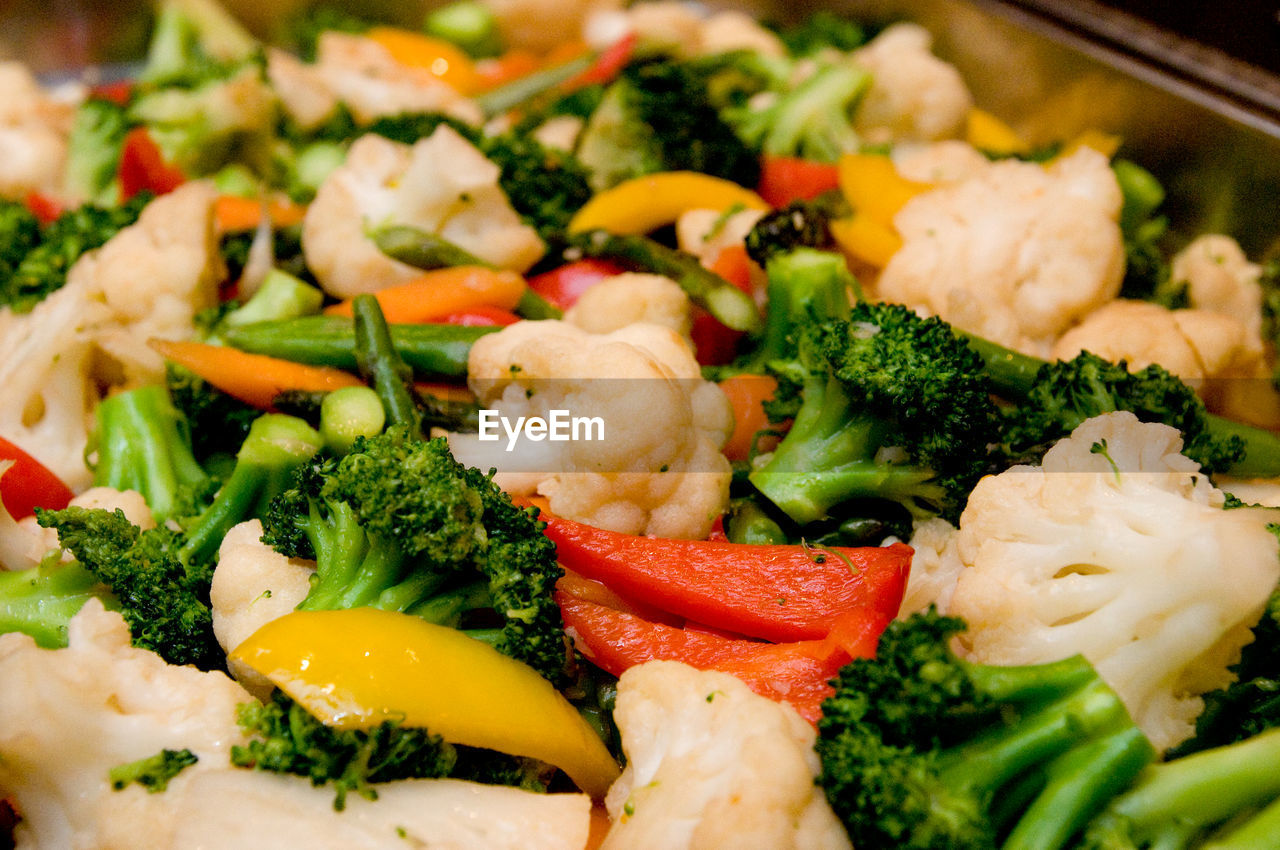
[440, 58]
[775, 592]
[796, 672]
[441, 292]
[255, 379]
[747, 395]
[235, 214]
[784, 179]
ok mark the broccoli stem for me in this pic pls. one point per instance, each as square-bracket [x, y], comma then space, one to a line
[142, 446]
[446, 609]
[349, 413]
[814, 120]
[276, 446]
[380, 364]
[1012, 375]
[506, 97]
[1256, 833]
[41, 601]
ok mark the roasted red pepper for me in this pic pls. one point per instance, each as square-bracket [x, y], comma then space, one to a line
[565, 285]
[43, 207]
[784, 179]
[28, 485]
[143, 168]
[779, 593]
[797, 672]
[608, 65]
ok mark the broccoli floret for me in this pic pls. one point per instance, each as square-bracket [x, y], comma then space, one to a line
[1147, 274]
[800, 224]
[823, 30]
[469, 24]
[218, 422]
[812, 119]
[891, 407]
[194, 41]
[19, 233]
[40, 601]
[164, 602]
[303, 31]
[920, 749]
[288, 739]
[398, 524]
[1224, 797]
[93, 150]
[44, 267]
[153, 772]
[658, 117]
[143, 444]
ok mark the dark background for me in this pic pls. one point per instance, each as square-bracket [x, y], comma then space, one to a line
[1246, 29]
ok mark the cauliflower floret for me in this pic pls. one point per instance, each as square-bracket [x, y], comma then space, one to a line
[68, 716]
[1116, 548]
[442, 184]
[150, 279]
[705, 233]
[40, 541]
[1017, 254]
[940, 162]
[935, 567]
[914, 95]
[33, 134]
[1220, 278]
[682, 29]
[629, 298]
[253, 584]
[1208, 349]
[655, 469]
[1253, 491]
[710, 764]
[363, 75]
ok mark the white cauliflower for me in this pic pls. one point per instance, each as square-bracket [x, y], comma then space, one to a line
[361, 74]
[68, 716]
[1016, 254]
[253, 584]
[1253, 491]
[34, 128]
[631, 297]
[1116, 548]
[149, 280]
[38, 541]
[658, 468]
[1195, 345]
[705, 233]
[710, 764]
[1220, 278]
[914, 95]
[939, 162]
[683, 29]
[442, 184]
[935, 567]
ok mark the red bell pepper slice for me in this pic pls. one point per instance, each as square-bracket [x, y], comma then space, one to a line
[142, 166]
[784, 179]
[713, 343]
[119, 92]
[43, 207]
[564, 286]
[777, 592]
[28, 485]
[608, 65]
[797, 672]
[478, 316]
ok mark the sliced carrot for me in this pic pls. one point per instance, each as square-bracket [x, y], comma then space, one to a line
[444, 291]
[253, 378]
[234, 213]
[747, 395]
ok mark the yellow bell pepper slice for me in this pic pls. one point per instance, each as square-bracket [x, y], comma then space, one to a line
[1104, 143]
[354, 669]
[646, 203]
[442, 59]
[988, 133]
[874, 188]
[865, 239]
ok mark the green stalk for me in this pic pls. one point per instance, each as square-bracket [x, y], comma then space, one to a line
[505, 98]
[340, 546]
[381, 365]
[40, 601]
[445, 609]
[423, 250]
[380, 568]
[1256, 833]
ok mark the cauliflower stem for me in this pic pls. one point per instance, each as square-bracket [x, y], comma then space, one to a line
[920, 749]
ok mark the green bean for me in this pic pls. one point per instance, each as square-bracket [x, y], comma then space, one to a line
[383, 366]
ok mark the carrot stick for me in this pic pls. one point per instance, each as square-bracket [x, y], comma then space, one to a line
[443, 291]
[746, 394]
[253, 378]
[234, 213]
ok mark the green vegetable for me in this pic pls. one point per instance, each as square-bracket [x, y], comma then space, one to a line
[920, 749]
[822, 30]
[194, 41]
[303, 31]
[417, 248]
[19, 233]
[1147, 274]
[892, 407]
[381, 365]
[153, 772]
[397, 522]
[727, 303]
[217, 423]
[280, 296]
[657, 117]
[530, 87]
[469, 24]
[93, 150]
[430, 350]
[349, 413]
[40, 601]
[801, 224]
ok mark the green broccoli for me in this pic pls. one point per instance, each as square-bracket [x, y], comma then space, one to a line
[143, 444]
[19, 233]
[469, 24]
[922, 750]
[40, 601]
[1147, 275]
[303, 31]
[823, 30]
[892, 407]
[154, 772]
[398, 524]
[1226, 798]
[800, 224]
[194, 41]
[93, 150]
[657, 117]
[812, 119]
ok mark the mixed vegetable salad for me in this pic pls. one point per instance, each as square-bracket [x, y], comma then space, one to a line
[921, 497]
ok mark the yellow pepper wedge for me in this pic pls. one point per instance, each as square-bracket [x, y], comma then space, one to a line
[353, 669]
[988, 133]
[874, 188]
[646, 203]
[864, 239]
[1104, 143]
[442, 59]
